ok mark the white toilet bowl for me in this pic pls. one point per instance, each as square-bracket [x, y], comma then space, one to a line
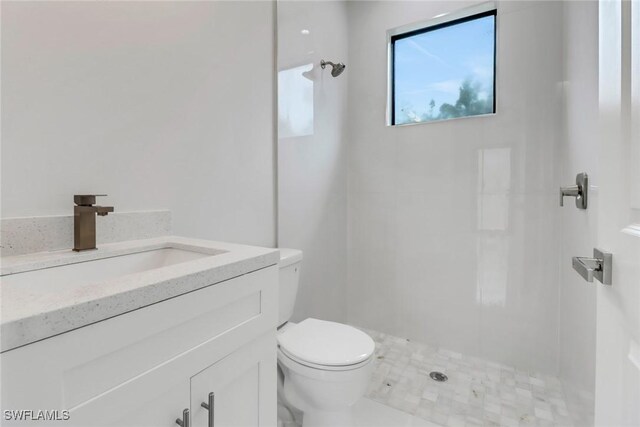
[327, 367]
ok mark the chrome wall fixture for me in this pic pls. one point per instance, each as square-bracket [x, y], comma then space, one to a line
[600, 266]
[336, 69]
[579, 191]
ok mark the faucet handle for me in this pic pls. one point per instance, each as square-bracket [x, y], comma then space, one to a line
[579, 191]
[86, 199]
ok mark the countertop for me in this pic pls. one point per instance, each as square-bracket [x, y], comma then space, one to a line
[35, 311]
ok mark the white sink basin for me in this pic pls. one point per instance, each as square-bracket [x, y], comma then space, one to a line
[48, 293]
[71, 276]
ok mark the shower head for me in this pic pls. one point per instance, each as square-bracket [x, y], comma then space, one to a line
[336, 69]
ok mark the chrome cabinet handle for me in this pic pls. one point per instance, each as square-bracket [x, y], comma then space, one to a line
[185, 421]
[210, 406]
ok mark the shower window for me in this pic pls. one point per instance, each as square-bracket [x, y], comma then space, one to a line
[444, 68]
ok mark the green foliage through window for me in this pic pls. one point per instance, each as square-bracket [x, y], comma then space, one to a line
[444, 71]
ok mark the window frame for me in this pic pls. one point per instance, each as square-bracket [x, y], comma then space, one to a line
[438, 22]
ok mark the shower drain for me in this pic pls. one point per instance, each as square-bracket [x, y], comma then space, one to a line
[438, 376]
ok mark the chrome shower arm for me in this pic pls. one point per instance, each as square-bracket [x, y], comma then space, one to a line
[324, 63]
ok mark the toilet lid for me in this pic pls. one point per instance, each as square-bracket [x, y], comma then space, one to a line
[326, 343]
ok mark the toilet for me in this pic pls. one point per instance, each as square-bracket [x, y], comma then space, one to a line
[323, 367]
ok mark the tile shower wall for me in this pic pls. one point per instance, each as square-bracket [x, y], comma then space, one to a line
[453, 226]
[579, 228]
[312, 177]
[162, 105]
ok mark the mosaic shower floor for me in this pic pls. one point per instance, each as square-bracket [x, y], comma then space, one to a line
[477, 393]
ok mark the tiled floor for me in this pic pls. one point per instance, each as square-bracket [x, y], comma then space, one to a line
[368, 413]
[477, 393]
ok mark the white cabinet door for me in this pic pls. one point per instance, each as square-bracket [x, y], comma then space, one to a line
[242, 384]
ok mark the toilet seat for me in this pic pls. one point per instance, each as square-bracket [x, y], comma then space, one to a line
[326, 345]
[291, 361]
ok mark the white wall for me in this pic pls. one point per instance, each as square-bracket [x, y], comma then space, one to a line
[312, 177]
[454, 226]
[158, 104]
[577, 305]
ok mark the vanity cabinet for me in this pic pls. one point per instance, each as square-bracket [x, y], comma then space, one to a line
[237, 385]
[145, 367]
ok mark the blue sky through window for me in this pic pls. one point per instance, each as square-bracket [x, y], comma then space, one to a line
[432, 66]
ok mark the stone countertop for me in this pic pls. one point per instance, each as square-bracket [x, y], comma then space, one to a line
[39, 310]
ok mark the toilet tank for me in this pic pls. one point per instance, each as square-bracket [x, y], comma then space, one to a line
[290, 262]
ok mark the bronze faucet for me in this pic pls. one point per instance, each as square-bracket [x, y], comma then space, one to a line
[84, 221]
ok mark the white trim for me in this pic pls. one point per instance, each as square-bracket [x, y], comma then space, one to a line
[389, 79]
[634, 136]
[442, 18]
[441, 120]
